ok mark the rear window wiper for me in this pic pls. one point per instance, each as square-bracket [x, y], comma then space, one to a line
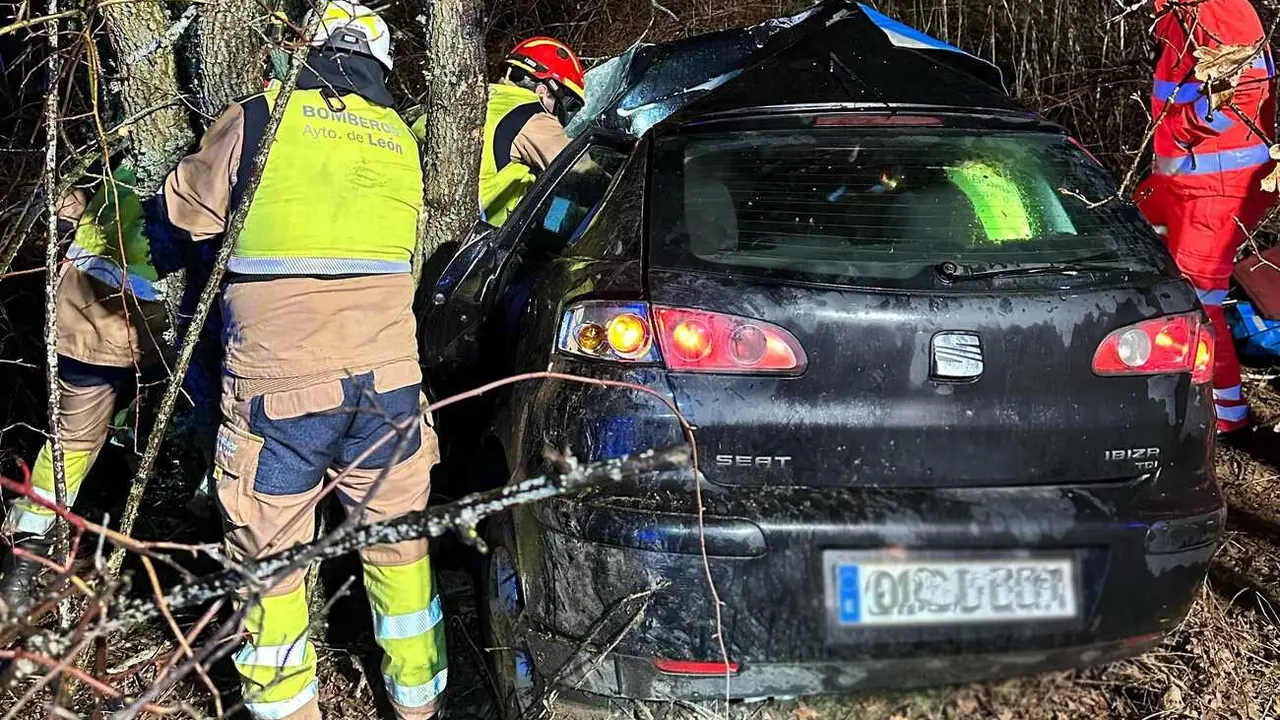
[960, 272]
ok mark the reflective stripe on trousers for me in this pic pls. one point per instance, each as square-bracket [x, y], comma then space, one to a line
[278, 664]
[1230, 404]
[414, 696]
[283, 708]
[408, 623]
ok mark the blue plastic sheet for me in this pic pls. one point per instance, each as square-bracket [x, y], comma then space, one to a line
[1256, 337]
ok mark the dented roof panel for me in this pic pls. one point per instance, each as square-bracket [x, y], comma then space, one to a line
[836, 53]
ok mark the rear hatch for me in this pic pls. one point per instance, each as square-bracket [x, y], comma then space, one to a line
[948, 289]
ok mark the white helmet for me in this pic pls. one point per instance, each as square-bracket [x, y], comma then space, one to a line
[355, 28]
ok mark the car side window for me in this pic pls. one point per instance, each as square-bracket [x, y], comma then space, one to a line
[566, 210]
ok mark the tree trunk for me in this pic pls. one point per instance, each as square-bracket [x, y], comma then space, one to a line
[455, 107]
[149, 90]
[228, 60]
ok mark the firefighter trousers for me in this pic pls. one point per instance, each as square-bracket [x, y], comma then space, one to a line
[89, 395]
[276, 444]
[1203, 235]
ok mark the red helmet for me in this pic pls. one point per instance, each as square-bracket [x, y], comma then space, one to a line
[549, 59]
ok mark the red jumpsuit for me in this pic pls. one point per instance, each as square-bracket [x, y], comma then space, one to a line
[1208, 167]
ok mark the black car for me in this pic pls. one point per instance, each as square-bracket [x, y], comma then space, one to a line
[950, 395]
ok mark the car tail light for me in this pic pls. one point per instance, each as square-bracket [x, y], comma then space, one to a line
[685, 340]
[1173, 344]
[701, 341]
[609, 331]
[694, 667]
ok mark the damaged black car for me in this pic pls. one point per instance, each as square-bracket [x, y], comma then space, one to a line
[950, 392]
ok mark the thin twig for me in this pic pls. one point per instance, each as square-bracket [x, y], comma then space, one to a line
[81, 675]
[52, 17]
[12, 242]
[177, 633]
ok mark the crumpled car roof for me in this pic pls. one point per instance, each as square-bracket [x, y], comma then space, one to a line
[837, 52]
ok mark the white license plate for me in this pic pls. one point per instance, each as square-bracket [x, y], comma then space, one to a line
[949, 592]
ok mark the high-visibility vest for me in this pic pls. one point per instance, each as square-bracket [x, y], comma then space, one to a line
[996, 199]
[340, 194]
[1199, 150]
[504, 181]
[113, 218]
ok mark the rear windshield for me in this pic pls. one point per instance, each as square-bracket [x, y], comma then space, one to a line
[886, 207]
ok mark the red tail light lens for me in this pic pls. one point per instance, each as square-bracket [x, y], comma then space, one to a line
[686, 340]
[1173, 344]
[694, 667]
[701, 341]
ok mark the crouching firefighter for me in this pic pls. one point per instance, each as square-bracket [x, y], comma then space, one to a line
[111, 322]
[320, 361]
[1205, 190]
[540, 90]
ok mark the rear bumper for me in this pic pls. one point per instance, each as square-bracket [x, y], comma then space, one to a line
[627, 573]
[626, 676]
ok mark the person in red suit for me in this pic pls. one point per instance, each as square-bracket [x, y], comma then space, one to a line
[1205, 192]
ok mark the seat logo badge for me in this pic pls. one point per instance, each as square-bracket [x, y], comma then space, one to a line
[956, 355]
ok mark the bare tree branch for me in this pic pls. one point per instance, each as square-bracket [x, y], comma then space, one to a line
[461, 516]
[52, 258]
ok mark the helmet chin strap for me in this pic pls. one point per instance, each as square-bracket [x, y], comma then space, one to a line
[567, 103]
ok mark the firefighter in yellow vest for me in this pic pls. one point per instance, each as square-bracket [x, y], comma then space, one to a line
[110, 327]
[321, 360]
[540, 90]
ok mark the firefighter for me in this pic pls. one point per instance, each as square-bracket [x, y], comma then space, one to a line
[1205, 189]
[540, 91]
[110, 327]
[320, 359]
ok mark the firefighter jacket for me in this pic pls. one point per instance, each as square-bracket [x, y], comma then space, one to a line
[1201, 150]
[332, 225]
[97, 323]
[520, 139]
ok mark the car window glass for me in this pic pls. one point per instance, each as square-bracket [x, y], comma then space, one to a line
[878, 208]
[567, 209]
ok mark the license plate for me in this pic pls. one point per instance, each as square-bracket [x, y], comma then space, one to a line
[950, 592]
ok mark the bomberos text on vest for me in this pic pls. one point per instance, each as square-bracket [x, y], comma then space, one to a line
[366, 133]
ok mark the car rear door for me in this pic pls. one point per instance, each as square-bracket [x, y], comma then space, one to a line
[913, 376]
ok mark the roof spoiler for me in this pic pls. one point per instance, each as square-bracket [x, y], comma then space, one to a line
[905, 36]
